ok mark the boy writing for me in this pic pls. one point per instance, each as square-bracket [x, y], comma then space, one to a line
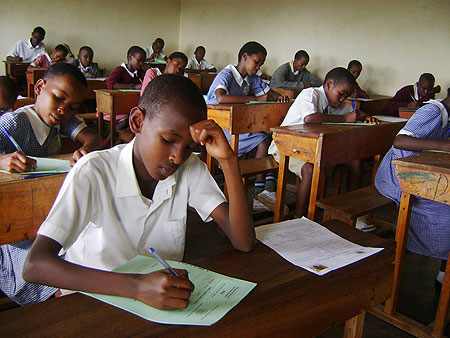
[294, 74]
[85, 62]
[413, 96]
[8, 94]
[155, 51]
[355, 68]
[317, 105]
[233, 85]
[198, 61]
[58, 54]
[28, 50]
[149, 182]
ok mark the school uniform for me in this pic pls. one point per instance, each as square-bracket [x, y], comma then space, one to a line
[429, 230]
[309, 101]
[285, 76]
[359, 92]
[36, 139]
[150, 74]
[26, 51]
[92, 69]
[230, 80]
[43, 61]
[194, 64]
[404, 96]
[149, 52]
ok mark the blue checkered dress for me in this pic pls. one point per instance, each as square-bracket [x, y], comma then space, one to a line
[429, 232]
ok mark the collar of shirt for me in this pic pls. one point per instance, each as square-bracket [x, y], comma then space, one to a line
[323, 101]
[29, 45]
[131, 74]
[126, 187]
[292, 68]
[40, 129]
[84, 69]
[444, 112]
[237, 76]
[416, 92]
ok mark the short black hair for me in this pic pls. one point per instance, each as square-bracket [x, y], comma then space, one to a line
[62, 68]
[301, 54]
[39, 30]
[135, 50]
[427, 77]
[161, 41]
[62, 48]
[10, 87]
[168, 88]
[179, 55]
[339, 75]
[89, 49]
[200, 47]
[252, 48]
[354, 63]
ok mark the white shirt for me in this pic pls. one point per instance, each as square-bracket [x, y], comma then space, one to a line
[26, 51]
[309, 101]
[149, 51]
[132, 74]
[194, 64]
[102, 220]
[292, 68]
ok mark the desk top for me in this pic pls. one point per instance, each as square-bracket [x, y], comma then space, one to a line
[429, 161]
[16, 63]
[286, 301]
[116, 92]
[247, 106]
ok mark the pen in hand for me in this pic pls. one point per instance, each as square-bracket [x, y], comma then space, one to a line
[16, 145]
[163, 262]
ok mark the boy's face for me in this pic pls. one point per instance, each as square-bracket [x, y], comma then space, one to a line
[58, 99]
[300, 64]
[199, 54]
[355, 71]
[86, 57]
[164, 141]
[253, 62]
[136, 61]
[337, 93]
[425, 87]
[36, 38]
[157, 46]
[57, 56]
[175, 66]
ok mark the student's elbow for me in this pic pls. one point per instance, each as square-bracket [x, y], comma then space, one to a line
[31, 269]
[247, 244]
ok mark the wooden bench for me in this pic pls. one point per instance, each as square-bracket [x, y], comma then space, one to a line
[349, 206]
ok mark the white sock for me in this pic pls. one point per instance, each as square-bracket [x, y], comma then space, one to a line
[440, 277]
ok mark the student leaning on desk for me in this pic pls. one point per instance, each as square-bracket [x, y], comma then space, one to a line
[119, 203]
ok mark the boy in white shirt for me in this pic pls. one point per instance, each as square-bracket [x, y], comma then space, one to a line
[28, 50]
[198, 61]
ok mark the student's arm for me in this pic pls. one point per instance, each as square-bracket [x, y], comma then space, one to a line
[114, 81]
[69, 54]
[16, 162]
[310, 79]
[274, 96]
[279, 79]
[223, 97]
[90, 141]
[13, 58]
[401, 99]
[319, 117]
[233, 217]
[417, 144]
[158, 289]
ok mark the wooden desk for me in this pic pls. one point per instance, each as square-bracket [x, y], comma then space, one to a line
[203, 80]
[327, 145]
[292, 93]
[373, 107]
[246, 118]
[15, 69]
[435, 167]
[25, 101]
[287, 302]
[406, 113]
[26, 203]
[33, 75]
[94, 84]
[113, 102]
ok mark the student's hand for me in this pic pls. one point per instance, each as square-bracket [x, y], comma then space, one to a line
[282, 98]
[437, 89]
[208, 133]
[70, 54]
[413, 105]
[354, 95]
[164, 291]
[371, 119]
[15, 58]
[91, 75]
[17, 163]
[79, 153]
[350, 117]
[262, 98]
[136, 86]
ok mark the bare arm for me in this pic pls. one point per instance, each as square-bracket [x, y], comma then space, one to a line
[90, 141]
[13, 58]
[417, 144]
[223, 97]
[320, 118]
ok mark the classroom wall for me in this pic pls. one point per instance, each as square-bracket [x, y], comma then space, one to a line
[395, 40]
[110, 27]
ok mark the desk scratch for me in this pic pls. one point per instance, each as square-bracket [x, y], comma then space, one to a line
[444, 181]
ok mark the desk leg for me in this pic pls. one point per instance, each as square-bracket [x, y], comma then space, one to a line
[444, 302]
[281, 187]
[112, 140]
[401, 236]
[354, 326]
[316, 190]
[210, 163]
[234, 143]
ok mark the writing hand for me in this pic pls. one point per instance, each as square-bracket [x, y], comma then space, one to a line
[17, 162]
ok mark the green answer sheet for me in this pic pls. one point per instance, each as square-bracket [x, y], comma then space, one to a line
[214, 294]
[46, 165]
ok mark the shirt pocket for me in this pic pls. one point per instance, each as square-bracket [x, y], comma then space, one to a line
[176, 235]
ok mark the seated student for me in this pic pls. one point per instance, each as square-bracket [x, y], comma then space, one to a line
[155, 51]
[85, 62]
[294, 74]
[355, 68]
[175, 65]
[28, 50]
[412, 96]
[233, 85]
[429, 230]
[148, 184]
[317, 105]
[58, 54]
[198, 61]
[8, 94]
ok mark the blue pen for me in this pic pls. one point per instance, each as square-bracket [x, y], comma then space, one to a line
[353, 105]
[37, 175]
[16, 145]
[163, 262]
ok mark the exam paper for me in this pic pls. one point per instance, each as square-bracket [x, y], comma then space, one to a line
[47, 165]
[390, 118]
[311, 246]
[214, 294]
